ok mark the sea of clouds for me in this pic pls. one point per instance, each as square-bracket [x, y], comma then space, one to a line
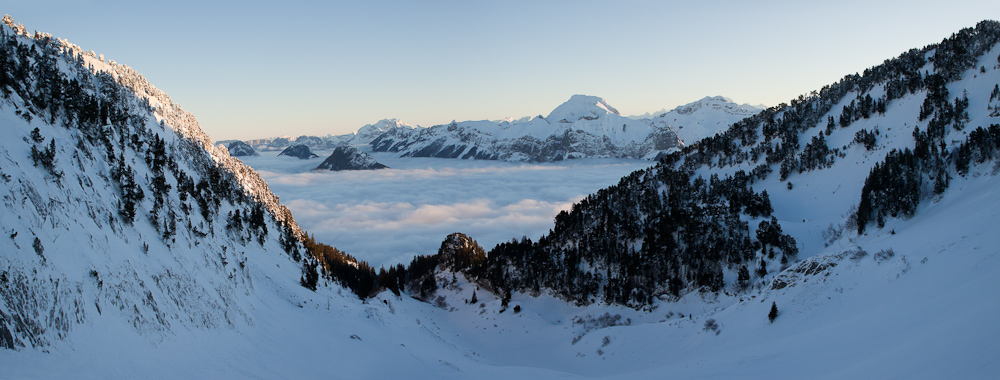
[389, 216]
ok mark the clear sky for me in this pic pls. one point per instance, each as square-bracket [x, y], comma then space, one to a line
[250, 69]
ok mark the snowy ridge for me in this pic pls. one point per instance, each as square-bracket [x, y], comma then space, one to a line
[363, 136]
[110, 217]
[174, 117]
[706, 117]
[584, 126]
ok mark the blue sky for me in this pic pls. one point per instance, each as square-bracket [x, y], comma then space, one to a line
[254, 69]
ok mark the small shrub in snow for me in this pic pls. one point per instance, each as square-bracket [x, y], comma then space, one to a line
[884, 255]
[711, 325]
[440, 302]
[857, 254]
[831, 234]
[591, 323]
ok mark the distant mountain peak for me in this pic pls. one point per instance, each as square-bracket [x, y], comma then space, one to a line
[581, 107]
[717, 102]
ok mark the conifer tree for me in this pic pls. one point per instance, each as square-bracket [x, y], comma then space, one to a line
[774, 312]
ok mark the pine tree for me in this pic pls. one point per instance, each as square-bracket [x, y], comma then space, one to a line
[774, 312]
[743, 278]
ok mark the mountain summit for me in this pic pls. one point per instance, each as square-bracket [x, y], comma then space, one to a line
[581, 107]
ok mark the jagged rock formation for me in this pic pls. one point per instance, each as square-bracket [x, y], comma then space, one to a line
[301, 152]
[349, 158]
[241, 149]
[363, 136]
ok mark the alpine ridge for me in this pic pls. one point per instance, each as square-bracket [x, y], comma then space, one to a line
[583, 126]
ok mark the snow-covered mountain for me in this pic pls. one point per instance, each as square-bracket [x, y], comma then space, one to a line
[363, 136]
[118, 209]
[706, 117]
[866, 214]
[584, 126]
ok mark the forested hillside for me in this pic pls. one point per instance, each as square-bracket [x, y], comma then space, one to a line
[694, 222]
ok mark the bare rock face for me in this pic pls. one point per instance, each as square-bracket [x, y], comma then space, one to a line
[349, 158]
[459, 252]
[300, 151]
[241, 149]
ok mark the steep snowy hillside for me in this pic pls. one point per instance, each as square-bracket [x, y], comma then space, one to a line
[780, 199]
[117, 209]
[723, 214]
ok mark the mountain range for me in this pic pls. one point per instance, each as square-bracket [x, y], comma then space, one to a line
[850, 233]
[584, 126]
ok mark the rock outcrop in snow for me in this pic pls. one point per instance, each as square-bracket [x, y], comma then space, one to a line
[346, 157]
[241, 149]
[299, 151]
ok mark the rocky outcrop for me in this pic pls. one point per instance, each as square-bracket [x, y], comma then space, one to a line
[301, 152]
[349, 158]
[241, 149]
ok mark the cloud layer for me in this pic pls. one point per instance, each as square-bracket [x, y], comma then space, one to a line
[388, 216]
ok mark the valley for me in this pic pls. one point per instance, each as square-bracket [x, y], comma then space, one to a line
[849, 233]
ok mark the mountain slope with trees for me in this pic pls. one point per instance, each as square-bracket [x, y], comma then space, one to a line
[694, 223]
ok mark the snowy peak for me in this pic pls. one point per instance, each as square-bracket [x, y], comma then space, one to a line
[383, 125]
[581, 107]
[371, 131]
[706, 117]
[719, 103]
